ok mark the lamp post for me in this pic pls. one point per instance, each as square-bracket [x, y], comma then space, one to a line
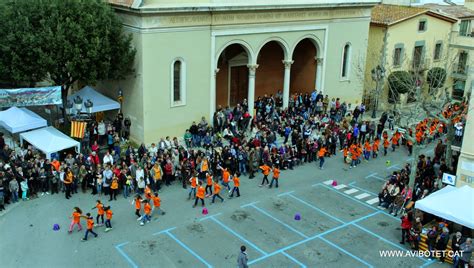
[378, 74]
[74, 108]
[120, 97]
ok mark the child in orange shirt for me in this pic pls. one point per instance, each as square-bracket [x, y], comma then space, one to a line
[90, 226]
[199, 195]
[192, 191]
[276, 176]
[76, 219]
[217, 189]
[108, 215]
[147, 216]
[265, 170]
[100, 212]
[322, 152]
[208, 184]
[157, 204]
[138, 206]
[236, 181]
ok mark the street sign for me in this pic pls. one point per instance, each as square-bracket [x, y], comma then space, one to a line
[449, 179]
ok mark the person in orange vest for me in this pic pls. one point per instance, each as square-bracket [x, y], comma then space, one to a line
[225, 178]
[394, 141]
[147, 209]
[114, 188]
[100, 212]
[236, 182]
[208, 184]
[353, 150]
[108, 215]
[375, 148]
[76, 219]
[359, 151]
[265, 170]
[367, 150]
[345, 153]
[68, 179]
[409, 146]
[157, 204]
[194, 182]
[276, 176]
[385, 146]
[90, 226]
[322, 152]
[200, 194]
[217, 190]
[138, 206]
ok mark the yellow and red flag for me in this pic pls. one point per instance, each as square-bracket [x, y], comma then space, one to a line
[78, 129]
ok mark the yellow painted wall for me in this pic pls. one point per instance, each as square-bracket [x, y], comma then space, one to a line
[374, 55]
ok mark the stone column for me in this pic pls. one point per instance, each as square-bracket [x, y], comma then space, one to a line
[213, 100]
[251, 91]
[286, 82]
[319, 73]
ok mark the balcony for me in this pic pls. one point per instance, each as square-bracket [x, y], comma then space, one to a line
[460, 71]
[463, 41]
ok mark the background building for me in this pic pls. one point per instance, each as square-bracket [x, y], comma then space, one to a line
[194, 56]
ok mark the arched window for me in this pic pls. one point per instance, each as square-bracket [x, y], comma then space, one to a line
[346, 54]
[178, 82]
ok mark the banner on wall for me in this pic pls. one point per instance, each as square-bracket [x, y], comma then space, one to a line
[78, 129]
[30, 96]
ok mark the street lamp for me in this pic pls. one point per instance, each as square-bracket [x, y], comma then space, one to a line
[378, 74]
[88, 104]
[78, 104]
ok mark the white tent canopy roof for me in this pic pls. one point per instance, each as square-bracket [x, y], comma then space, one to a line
[49, 140]
[16, 120]
[451, 203]
[101, 102]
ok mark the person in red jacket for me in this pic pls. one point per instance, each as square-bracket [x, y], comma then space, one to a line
[406, 226]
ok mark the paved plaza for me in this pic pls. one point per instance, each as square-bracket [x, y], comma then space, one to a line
[339, 227]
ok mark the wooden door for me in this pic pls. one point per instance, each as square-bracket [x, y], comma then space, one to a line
[239, 77]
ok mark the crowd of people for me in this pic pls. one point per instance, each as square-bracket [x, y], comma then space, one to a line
[215, 156]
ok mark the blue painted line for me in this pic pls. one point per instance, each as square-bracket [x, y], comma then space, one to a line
[316, 208]
[293, 259]
[430, 262]
[346, 252]
[377, 178]
[129, 260]
[249, 204]
[384, 239]
[238, 235]
[287, 193]
[370, 175]
[312, 238]
[164, 231]
[189, 249]
[358, 201]
[210, 216]
[364, 190]
[279, 221]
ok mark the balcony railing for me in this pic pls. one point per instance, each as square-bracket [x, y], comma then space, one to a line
[460, 69]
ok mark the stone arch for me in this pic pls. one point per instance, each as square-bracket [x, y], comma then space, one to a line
[305, 54]
[246, 46]
[283, 44]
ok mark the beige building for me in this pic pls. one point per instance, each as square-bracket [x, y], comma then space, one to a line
[404, 38]
[196, 55]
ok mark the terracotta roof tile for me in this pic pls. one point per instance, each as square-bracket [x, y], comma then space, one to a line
[390, 14]
[453, 11]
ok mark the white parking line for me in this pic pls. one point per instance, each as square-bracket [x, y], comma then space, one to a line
[328, 182]
[340, 186]
[372, 201]
[361, 196]
[351, 191]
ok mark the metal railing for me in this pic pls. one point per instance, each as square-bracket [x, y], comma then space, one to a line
[460, 69]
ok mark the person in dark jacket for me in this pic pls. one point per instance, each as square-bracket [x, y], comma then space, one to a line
[242, 258]
[442, 243]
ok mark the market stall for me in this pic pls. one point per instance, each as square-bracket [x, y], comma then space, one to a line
[101, 102]
[49, 140]
[16, 120]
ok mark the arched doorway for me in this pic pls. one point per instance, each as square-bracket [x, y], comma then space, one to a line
[232, 77]
[270, 72]
[303, 69]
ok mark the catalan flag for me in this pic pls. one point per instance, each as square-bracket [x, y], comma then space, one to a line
[78, 129]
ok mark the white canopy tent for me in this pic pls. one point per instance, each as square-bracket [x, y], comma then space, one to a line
[49, 140]
[451, 203]
[101, 102]
[16, 120]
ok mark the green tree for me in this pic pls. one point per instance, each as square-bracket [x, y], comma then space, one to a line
[436, 78]
[62, 41]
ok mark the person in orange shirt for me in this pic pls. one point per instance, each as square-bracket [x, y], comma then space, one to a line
[265, 170]
[147, 209]
[225, 178]
[394, 141]
[108, 215]
[367, 150]
[276, 176]
[68, 179]
[345, 153]
[100, 212]
[76, 219]
[114, 188]
[157, 204]
[208, 184]
[322, 152]
[375, 148]
[409, 146]
[90, 226]
[194, 182]
[359, 151]
[236, 181]
[138, 206]
[385, 146]
[200, 194]
[217, 189]
[353, 150]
